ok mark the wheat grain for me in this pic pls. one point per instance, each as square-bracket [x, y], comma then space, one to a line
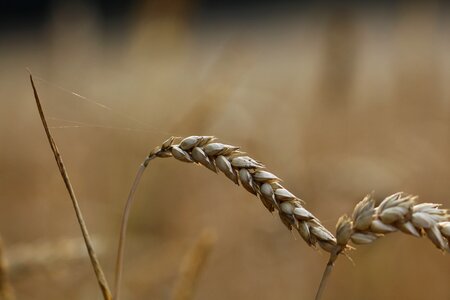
[253, 176]
[398, 212]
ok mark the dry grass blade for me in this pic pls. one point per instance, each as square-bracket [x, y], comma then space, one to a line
[94, 261]
[192, 266]
[6, 290]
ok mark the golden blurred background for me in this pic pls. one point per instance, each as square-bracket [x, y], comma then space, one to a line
[337, 100]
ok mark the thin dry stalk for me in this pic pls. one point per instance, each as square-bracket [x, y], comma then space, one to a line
[192, 266]
[6, 289]
[62, 169]
[326, 273]
[123, 228]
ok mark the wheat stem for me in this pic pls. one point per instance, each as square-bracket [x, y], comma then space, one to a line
[62, 169]
[326, 273]
[123, 227]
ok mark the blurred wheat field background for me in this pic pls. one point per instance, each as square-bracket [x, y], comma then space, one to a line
[339, 101]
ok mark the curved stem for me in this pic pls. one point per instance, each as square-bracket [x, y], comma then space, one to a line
[326, 273]
[123, 227]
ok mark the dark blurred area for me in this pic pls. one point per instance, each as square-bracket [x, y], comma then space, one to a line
[339, 99]
[29, 13]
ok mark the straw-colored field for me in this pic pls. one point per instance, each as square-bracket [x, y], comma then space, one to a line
[338, 103]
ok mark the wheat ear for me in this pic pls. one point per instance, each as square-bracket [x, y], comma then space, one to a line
[398, 212]
[252, 175]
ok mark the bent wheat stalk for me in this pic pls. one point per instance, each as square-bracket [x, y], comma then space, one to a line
[368, 223]
[239, 168]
